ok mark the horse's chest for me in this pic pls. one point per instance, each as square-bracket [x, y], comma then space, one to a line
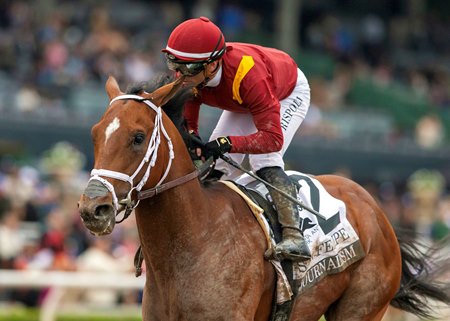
[210, 294]
[194, 303]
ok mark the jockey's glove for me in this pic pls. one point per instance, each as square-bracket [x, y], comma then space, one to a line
[194, 141]
[217, 147]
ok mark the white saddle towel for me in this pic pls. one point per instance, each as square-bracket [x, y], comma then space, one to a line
[332, 240]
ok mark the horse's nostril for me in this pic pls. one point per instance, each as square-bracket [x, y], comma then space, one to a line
[102, 210]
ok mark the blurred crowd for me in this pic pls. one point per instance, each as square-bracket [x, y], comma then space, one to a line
[53, 52]
[40, 227]
[412, 48]
[405, 55]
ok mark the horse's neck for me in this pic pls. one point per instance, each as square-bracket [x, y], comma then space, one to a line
[173, 225]
[177, 223]
[173, 209]
[168, 221]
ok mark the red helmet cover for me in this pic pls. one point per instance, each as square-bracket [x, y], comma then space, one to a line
[196, 39]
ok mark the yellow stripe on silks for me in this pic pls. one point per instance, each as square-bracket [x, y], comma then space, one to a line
[245, 65]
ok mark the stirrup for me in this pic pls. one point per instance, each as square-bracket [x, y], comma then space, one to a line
[294, 253]
[280, 255]
[291, 256]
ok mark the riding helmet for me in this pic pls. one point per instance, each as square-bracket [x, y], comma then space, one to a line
[195, 40]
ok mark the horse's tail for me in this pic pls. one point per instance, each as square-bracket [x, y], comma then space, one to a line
[422, 276]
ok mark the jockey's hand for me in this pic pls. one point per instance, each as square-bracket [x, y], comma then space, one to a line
[217, 147]
[194, 144]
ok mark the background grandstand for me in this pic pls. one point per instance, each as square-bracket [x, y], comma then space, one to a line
[380, 114]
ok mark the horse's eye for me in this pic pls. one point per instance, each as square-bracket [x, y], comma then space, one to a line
[138, 139]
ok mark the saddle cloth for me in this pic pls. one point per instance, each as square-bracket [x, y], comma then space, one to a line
[333, 243]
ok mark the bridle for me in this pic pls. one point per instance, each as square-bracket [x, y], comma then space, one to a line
[149, 159]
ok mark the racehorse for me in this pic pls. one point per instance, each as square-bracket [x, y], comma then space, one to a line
[204, 250]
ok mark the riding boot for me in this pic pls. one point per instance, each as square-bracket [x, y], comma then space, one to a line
[293, 246]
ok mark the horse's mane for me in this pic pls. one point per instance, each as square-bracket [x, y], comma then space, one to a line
[174, 107]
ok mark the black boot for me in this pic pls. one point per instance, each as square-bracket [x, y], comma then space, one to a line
[292, 246]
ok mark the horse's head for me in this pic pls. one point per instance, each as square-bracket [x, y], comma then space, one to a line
[128, 141]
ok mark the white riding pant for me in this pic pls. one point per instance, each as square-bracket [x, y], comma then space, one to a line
[292, 113]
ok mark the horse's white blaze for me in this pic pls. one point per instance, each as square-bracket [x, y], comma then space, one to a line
[112, 127]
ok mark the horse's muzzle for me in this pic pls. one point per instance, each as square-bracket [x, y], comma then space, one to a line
[96, 209]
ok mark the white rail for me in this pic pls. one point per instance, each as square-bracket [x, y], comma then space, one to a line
[59, 282]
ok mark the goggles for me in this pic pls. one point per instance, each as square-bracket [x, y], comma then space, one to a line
[186, 69]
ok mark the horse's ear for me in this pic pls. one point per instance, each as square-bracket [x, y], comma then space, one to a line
[112, 88]
[162, 95]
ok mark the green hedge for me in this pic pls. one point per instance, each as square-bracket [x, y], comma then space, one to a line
[23, 314]
[314, 63]
[405, 105]
[401, 102]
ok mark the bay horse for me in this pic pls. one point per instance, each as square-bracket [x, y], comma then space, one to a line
[203, 248]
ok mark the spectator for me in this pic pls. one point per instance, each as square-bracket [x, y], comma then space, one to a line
[98, 258]
[440, 228]
[426, 188]
[430, 132]
[12, 240]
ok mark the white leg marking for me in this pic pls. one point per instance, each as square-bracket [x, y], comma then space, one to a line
[112, 127]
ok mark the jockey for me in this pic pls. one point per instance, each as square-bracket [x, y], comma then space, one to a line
[264, 97]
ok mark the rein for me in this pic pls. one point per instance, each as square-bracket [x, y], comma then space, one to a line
[161, 188]
[149, 160]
